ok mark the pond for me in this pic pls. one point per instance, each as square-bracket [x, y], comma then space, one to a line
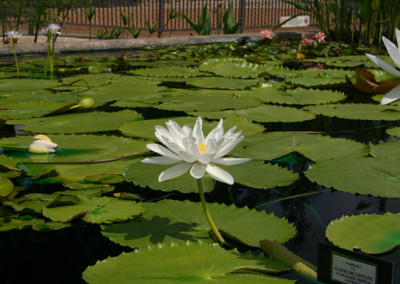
[324, 163]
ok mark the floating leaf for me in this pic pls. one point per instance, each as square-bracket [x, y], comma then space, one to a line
[26, 84]
[96, 210]
[358, 111]
[180, 264]
[263, 113]
[35, 224]
[394, 131]
[29, 109]
[377, 177]
[78, 122]
[315, 147]
[6, 186]
[181, 221]
[386, 150]
[232, 67]
[168, 71]
[383, 232]
[221, 83]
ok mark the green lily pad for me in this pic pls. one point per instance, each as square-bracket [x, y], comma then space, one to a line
[78, 122]
[316, 77]
[297, 96]
[182, 263]
[315, 147]
[358, 111]
[221, 83]
[232, 67]
[87, 189]
[377, 177]
[96, 210]
[386, 150]
[29, 109]
[263, 113]
[35, 224]
[394, 131]
[383, 232]
[257, 174]
[26, 84]
[182, 221]
[168, 71]
[146, 128]
[6, 186]
[205, 100]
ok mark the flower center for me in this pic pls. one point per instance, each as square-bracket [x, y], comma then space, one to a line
[202, 147]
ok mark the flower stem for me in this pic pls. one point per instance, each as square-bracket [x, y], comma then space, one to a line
[207, 213]
[15, 57]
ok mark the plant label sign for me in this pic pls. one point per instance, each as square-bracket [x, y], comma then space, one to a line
[340, 266]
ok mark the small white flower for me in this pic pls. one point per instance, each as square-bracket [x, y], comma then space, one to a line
[13, 35]
[394, 52]
[42, 144]
[189, 149]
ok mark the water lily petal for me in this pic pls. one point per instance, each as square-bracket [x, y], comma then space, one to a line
[174, 171]
[398, 37]
[39, 149]
[219, 174]
[384, 65]
[159, 149]
[160, 161]
[393, 95]
[45, 143]
[231, 161]
[393, 51]
[228, 147]
[198, 131]
[198, 170]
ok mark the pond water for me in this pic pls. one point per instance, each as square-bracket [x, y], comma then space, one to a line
[226, 87]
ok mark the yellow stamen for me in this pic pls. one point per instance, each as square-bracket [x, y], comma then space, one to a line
[202, 148]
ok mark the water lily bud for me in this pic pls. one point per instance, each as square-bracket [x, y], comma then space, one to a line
[39, 149]
[47, 144]
[86, 103]
[41, 137]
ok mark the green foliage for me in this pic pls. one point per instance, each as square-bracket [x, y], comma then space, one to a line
[229, 21]
[203, 27]
[350, 231]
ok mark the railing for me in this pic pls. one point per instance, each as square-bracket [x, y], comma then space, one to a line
[253, 14]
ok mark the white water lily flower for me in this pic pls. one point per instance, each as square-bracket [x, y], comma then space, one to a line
[189, 149]
[42, 144]
[394, 52]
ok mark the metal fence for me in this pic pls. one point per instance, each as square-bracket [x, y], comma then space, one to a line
[156, 14]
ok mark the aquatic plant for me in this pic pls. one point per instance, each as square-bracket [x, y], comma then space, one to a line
[394, 52]
[13, 36]
[189, 149]
[42, 144]
[52, 31]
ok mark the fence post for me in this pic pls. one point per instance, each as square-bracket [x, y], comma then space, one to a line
[242, 11]
[30, 25]
[160, 17]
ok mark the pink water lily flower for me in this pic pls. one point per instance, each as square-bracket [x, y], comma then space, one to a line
[394, 52]
[308, 41]
[267, 34]
[188, 149]
[320, 36]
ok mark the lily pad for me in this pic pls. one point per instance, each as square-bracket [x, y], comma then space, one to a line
[232, 67]
[182, 263]
[383, 232]
[377, 177]
[35, 224]
[26, 84]
[221, 83]
[96, 210]
[181, 221]
[6, 186]
[146, 128]
[358, 111]
[263, 113]
[394, 131]
[29, 109]
[315, 147]
[78, 122]
[168, 71]
[297, 96]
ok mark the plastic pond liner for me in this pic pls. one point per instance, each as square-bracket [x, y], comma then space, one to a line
[324, 164]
